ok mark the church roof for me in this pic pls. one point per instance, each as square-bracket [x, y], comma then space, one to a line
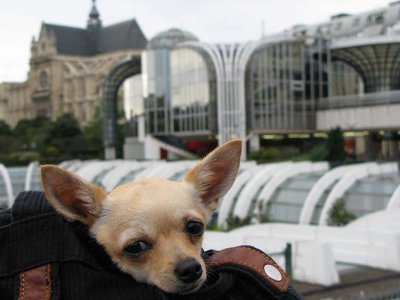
[122, 36]
[70, 40]
[93, 41]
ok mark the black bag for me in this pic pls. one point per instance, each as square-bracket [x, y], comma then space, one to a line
[43, 256]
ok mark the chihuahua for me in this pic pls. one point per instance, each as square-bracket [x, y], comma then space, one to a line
[152, 229]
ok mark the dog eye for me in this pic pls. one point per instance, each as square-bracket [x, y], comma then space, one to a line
[136, 248]
[194, 228]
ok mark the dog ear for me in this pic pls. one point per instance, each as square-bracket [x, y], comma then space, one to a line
[72, 196]
[215, 174]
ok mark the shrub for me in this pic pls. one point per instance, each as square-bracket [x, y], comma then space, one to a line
[339, 216]
[335, 146]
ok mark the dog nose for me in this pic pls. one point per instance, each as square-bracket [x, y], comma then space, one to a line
[188, 270]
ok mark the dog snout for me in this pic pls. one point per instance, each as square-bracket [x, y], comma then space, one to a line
[188, 270]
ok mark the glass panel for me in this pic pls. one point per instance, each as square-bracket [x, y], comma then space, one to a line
[192, 91]
[287, 202]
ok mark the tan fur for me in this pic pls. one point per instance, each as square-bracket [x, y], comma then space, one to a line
[153, 210]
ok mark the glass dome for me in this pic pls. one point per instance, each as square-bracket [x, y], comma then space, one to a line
[170, 38]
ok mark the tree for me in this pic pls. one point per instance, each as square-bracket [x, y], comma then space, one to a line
[335, 145]
[5, 129]
[93, 133]
[33, 133]
[66, 126]
[64, 135]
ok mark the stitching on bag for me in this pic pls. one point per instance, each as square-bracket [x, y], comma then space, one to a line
[48, 282]
[22, 286]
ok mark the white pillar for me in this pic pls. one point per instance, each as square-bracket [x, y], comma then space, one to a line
[110, 153]
[254, 142]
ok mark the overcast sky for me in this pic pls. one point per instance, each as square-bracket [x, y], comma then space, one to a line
[210, 20]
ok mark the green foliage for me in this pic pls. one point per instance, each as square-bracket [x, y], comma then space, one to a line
[270, 154]
[65, 135]
[93, 133]
[120, 105]
[339, 216]
[33, 133]
[121, 139]
[331, 150]
[66, 126]
[258, 216]
[5, 129]
[215, 227]
[52, 151]
[335, 145]
[9, 143]
[51, 142]
[22, 127]
[318, 153]
[234, 222]
[18, 158]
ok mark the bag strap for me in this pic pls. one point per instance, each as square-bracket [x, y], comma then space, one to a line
[35, 284]
[255, 265]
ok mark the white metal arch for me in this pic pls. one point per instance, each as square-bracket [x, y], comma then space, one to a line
[77, 165]
[212, 51]
[150, 171]
[227, 201]
[394, 201]
[114, 176]
[318, 189]
[29, 174]
[287, 173]
[230, 110]
[7, 183]
[66, 164]
[230, 62]
[347, 181]
[168, 170]
[246, 197]
[89, 171]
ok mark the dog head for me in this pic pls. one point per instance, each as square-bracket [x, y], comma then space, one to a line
[152, 229]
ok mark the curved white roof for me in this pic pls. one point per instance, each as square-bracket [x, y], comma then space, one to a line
[253, 186]
[228, 200]
[344, 184]
[318, 189]
[286, 173]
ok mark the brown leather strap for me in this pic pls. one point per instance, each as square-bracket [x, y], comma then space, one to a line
[255, 260]
[35, 284]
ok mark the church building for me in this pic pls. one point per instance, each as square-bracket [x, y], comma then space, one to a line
[68, 66]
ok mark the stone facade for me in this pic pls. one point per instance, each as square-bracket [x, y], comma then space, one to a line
[67, 70]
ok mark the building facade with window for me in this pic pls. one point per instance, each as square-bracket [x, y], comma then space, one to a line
[68, 66]
[285, 89]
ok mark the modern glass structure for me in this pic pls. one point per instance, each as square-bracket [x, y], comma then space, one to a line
[283, 84]
[297, 84]
[287, 202]
[193, 93]
[156, 74]
[134, 106]
[345, 80]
